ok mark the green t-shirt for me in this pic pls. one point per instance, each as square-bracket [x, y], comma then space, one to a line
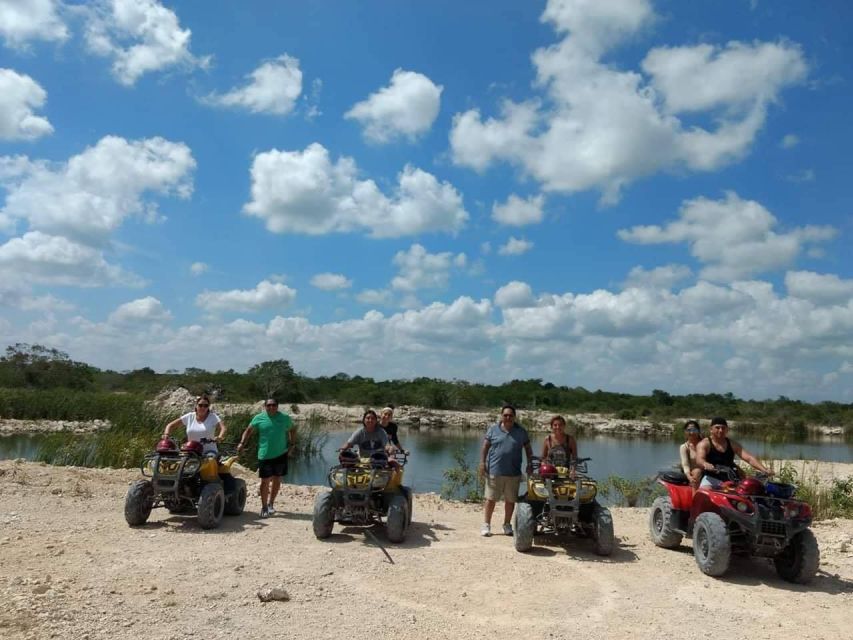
[272, 434]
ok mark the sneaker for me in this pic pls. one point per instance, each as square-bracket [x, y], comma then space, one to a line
[270, 510]
[485, 530]
[507, 529]
[265, 512]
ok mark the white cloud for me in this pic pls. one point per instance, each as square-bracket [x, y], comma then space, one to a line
[305, 192]
[140, 36]
[514, 294]
[820, 288]
[20, 95]
[515, 247]
[265, 296]
[806, 175]
[379, 297]
[419, 269]
[272, 88]
[602, 127]
[789, 141]
[733, 237]
[40, 258]
[142, 310]
[665, 277]
[25, 20]
[199, 268]
[90, 195]
[518, 212]
[406, 108]
[331, 281]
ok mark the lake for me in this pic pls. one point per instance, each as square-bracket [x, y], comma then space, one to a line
[432, 452]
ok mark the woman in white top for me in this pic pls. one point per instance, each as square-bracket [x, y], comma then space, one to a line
[687, 453]
[201, 425]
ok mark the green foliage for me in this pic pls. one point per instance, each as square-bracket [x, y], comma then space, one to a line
[62, 404]
[275, 379]
[827, 501]
[630, 493]
[39, 367]
[462, 480]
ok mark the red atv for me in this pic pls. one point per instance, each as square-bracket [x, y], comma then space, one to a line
[750, 516]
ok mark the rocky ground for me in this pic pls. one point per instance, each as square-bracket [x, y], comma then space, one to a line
[71, 568]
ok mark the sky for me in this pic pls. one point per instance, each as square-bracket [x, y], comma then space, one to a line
[626, 195]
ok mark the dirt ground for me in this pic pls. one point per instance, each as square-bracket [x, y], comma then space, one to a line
[71, 568]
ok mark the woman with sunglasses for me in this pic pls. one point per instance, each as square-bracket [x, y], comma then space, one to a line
[202, 425]
[687, 453]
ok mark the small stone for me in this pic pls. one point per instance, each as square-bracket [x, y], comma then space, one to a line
[41, 589]
[273, 593]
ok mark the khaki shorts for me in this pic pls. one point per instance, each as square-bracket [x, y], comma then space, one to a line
[502, 488]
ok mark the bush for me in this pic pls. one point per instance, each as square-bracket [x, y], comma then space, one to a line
[462, 480]
[631, 493]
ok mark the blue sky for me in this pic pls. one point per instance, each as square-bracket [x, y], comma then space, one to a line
[624, 195]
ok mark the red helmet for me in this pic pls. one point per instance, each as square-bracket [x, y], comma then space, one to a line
[191, 446]
[750, 487]
[547, 470]
[166, 445]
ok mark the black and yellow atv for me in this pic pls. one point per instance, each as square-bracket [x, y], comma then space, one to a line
[185, 480]
[362, 492]
[562, 500]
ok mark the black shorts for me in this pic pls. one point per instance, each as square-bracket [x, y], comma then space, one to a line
[273, 466]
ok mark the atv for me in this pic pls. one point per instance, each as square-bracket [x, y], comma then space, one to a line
[186, 479]
[561, 500]
[362, 492]
[750, 516]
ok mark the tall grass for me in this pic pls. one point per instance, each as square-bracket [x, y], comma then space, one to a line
[624, 492]
[832, 500]
[63, 404]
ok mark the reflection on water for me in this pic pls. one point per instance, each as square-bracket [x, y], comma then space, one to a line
[432, 453]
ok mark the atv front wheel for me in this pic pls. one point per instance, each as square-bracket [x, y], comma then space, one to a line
[235, 501]
[799, 561]
[211, 505]
[138, 502]
[660, 524]
[712, 547]
[407, 491]
[602, 530]
[397, 521]
[525, 527]
[324, 517]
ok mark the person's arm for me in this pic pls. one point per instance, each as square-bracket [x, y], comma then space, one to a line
[701, 453]
[484, 455]
[528, 451]
[350, 441]
[750, 459]
[395, 440]
[684, 454]
[546, 447]
[221, 427]
[245, 437]
[174, 423]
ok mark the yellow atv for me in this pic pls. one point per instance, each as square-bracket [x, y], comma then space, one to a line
[562, 500]
[186, 479]
[362, 492]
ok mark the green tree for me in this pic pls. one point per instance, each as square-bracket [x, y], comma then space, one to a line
[276, 378]
[41, 367]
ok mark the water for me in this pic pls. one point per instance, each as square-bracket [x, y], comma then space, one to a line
[432, 453]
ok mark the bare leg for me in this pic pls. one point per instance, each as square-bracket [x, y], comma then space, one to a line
[490, 509]
[509, 507]
[276, 485]
[265, 492]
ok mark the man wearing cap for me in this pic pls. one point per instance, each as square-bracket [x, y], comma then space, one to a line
[718, 450]
[276, 439]
[687, 453]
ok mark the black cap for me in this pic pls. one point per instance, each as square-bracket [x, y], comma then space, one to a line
[719, 421]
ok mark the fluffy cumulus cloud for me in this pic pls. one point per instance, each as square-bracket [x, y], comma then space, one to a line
[139, 36]
[376, 297]
[515, 247]
[601, 127]
[665, 277]
[20, 96]
[22, 21]
[820, 288]
[331, 281]
[514, 294]
[518, 212]
[199, 268]
[265, 296]
[406, 108]
[419, 269]
[90, 195]
[272, 88]
[142, 310]
[734, 238]
[306, 192]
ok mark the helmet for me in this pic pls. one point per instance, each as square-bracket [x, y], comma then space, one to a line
[547, 470]
[750, 487]
[191, 446]
[779, 489]
[379, 460]
[347, 458]
[166, 445]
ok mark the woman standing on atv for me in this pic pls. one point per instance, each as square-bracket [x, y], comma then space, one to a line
[687, 453]
[717, 450]
[201, 425]
[559, 446]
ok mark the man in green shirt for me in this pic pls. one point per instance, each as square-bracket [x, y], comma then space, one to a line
[276, 439]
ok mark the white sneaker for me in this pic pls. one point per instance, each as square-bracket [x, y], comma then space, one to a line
[507, 529]
[485, 530]
[270, 510]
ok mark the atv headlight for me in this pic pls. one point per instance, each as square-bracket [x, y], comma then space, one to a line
[540, 490]
[339, 478]
[380, 479]
[191, 466]
[587, 493]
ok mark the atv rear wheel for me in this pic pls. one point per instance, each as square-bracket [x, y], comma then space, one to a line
[799, 561]
[397, 521]
[525, 527]
[660, 524]
[602, 530]
[138, 502]
[712, 547]
[235, 501]
[324, 517]
[211, 505]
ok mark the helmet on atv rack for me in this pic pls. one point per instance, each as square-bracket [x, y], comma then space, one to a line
[347, 458]
[191, 446]
[547, 470]
[166, 445]
[750, 487]
[379, 460]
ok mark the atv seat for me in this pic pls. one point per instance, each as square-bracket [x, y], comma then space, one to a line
[674, 477]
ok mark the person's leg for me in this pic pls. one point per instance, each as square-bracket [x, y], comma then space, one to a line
[489, 510]
[265, 492]
[275, 485]
[509, 507]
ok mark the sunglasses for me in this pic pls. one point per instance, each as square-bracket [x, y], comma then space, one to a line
[202, 404]
[271, 405]
[507, 415]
